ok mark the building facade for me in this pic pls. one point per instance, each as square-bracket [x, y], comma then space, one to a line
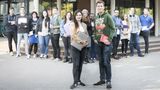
[72, 5]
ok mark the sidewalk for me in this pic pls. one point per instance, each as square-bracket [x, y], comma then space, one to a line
[132, 73]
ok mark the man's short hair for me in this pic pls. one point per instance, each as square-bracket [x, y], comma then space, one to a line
[11, 8]
[146, 8]
[55, 8]
[100, 1]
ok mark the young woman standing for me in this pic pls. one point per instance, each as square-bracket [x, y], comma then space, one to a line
[65, 33]
[79, 42]
[43, 30]
[125, 35]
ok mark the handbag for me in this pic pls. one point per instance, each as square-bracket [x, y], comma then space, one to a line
[83, 37]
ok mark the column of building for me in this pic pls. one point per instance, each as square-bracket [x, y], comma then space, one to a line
[157, 17]
[112, 6]
[36, 5]
[59, 6]
[93, 6]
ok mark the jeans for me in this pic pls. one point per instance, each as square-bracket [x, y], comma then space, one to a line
[20, 36]
[10, 36]
[134, 43]
[78, 57]
[92, 51]
[115, 43]
[145, 35]
[43, 44]
[67, 47]
[55, 45]
[104, 55]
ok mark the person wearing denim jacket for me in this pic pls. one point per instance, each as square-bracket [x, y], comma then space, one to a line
[65, 32]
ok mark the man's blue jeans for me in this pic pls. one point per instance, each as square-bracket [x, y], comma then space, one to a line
[104, 56]
[20, 36]
[134, 43]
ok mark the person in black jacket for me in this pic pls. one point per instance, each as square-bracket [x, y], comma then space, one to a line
[11, 29]
[33, 38]
[23, 26]
[43, 31]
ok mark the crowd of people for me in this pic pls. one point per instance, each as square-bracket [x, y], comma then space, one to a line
[87, 37]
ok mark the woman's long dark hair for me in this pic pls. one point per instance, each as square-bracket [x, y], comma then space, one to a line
[47, 17]
[35, 13]
[75, 21]
[71, 17]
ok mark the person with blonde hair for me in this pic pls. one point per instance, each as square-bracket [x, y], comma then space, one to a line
[125, 35]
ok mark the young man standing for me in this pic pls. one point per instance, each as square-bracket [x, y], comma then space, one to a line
[23, 26]
[135, 31]
[11, 29]
[118, 24]
[147, 24]
[55, 21]
[103, 36]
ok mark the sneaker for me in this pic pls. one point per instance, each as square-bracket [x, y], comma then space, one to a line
[35, 55]
[41, 56]
[85, 62]
[70, 61]
[73, 86]
[18, 55]
[57, 59]
[99, 83]
[116, 57]
[140, 55]
[81, 83]
[28, 56]
[45, 56]
[11, 53]
[108, 85]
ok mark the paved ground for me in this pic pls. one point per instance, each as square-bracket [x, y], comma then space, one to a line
[132, 73]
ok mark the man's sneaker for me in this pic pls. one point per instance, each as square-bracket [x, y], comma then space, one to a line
[57, 59]
[28, 56]
[116, 57]
[108, 85]
[73, 86]
[81, 83]
[140, 55]
[99, 83]
[70, 61]
[11, 53]
[35, 55]
[18, 55]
